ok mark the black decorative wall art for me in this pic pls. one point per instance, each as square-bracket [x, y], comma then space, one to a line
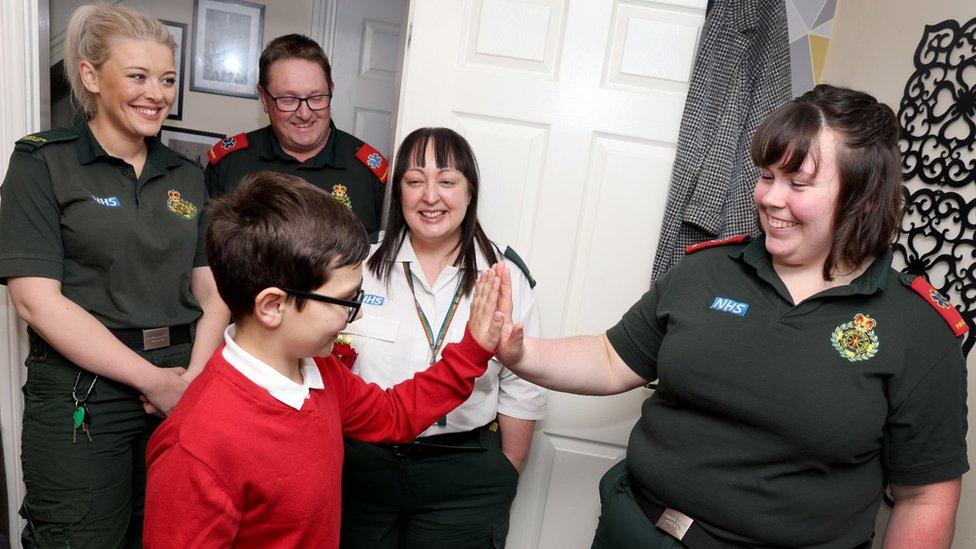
[938, 144]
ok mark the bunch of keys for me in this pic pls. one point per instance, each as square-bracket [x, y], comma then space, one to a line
[81, 416]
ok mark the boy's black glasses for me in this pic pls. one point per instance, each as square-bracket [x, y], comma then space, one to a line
[353, 304]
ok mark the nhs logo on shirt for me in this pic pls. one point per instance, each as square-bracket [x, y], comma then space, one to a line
[107, 201]
[727, 305]
[375, 300]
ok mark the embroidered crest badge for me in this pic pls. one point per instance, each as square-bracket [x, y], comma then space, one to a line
[339, 193]
[180, 207]
[856, 340]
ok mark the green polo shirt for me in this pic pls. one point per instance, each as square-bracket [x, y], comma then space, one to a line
[334, 169]
[765, 431]
[122, 247]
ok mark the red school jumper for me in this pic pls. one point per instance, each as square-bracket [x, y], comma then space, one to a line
[233, 466]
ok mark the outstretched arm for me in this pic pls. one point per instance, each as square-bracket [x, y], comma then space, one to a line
[584, 365]
[924, 516]
[407, 409]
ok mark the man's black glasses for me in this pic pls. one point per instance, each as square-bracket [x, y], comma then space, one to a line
[353, 304]
[290, 103]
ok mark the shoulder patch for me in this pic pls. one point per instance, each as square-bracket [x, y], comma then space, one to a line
[520, 263]
[34, 141]
[715, 243]
[226, 146]
[376, 162]
[940, 303]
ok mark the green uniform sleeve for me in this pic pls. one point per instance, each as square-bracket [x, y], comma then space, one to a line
[211, 178]
[200, 259]
[30, 221]
[637, 337]
[925, 434]
[379, 192]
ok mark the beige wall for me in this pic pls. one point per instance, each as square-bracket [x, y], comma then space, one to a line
[872, 48]
[207, 111]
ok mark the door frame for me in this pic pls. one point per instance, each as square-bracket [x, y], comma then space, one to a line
[21, 22]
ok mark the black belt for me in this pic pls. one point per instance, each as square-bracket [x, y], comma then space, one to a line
[133, 338]
[679, 525]
[448, 443]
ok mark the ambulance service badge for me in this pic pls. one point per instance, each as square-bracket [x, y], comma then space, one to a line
[179, 206]
[856, 340]
[339, 192]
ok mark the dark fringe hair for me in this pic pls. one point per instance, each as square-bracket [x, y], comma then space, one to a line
[870, 202]
[276, 230]
[453, 151]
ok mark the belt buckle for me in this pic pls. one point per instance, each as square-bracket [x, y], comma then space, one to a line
[401, 450]
[156, 338]
[674, 523]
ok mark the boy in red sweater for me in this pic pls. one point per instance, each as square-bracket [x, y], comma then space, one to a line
[252, 455]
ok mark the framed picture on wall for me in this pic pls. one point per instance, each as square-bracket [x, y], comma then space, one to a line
[227, 39]
[193, 144]
[178, 32]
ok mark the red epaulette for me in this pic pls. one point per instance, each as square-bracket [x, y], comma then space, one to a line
[715, 243]
[226, 146]
[941, 304]
[375, 161]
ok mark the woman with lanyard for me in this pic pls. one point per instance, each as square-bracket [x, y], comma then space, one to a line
[101, 247]
[454, 485]
[798, 373]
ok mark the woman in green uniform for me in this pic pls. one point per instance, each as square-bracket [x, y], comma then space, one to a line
[798, 373]
[101, 248]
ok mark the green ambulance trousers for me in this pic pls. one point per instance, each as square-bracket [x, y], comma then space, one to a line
[622, 523]
[85, 494]
[447, 501]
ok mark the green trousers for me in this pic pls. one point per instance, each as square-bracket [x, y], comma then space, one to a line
[622, 523]
[80, 493]
[447, 501]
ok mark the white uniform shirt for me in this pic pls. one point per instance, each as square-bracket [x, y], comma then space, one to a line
[392, 346]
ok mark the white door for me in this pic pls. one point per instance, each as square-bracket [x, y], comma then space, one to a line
[364, 58]
[573, 110]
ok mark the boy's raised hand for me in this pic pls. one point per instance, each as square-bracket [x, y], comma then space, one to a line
[485, 322]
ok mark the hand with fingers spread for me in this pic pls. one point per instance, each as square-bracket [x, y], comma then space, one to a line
[511, 345]
[486, 320]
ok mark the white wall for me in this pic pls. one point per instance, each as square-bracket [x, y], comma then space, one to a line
[205, 111]
[872, 48]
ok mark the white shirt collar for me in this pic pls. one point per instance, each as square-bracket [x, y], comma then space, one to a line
[406, 253]
[264, 376]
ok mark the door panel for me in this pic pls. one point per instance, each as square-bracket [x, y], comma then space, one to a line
[573, 110]
[364, 57]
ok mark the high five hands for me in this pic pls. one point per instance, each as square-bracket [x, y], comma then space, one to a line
[491, 315]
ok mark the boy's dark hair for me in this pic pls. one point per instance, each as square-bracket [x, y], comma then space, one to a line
[276, 230]
[450, 150]
[869, 202]
[292, 46]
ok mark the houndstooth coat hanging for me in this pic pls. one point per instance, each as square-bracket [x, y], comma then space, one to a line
[741, 74]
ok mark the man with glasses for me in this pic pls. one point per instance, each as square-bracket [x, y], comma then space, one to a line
[295, 87]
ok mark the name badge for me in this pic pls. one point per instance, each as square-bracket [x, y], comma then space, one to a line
[375, 300]
[728, 305]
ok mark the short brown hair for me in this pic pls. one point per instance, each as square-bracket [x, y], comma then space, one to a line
[276, 230]
[869, 202]
[292, 46]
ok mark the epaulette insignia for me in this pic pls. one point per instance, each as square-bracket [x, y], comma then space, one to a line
[375, 161]
[517, 260]
[715, 243]
[941, 304]
[226, 146]
[34, 141]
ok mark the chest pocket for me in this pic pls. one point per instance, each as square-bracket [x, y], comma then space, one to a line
[373, 338]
